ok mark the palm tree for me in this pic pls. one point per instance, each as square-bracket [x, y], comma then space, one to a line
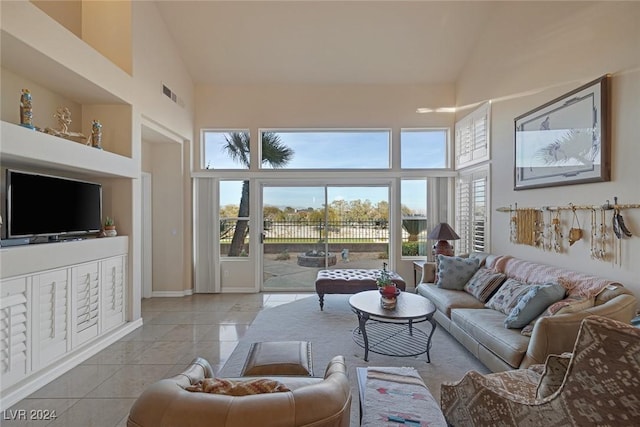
[274, 153]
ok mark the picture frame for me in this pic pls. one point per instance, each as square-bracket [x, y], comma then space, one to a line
[565, 141]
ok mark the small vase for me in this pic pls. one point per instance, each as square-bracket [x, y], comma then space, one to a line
[389, 297]
[110, 231]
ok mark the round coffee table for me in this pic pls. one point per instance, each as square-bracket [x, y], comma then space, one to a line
[391, 332]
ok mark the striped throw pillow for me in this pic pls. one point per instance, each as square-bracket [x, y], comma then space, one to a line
[484, 283]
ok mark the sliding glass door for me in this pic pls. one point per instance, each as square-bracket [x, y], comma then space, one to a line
[309, 228]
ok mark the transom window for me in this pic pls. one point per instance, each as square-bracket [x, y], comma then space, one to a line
[225, 149]
[333, 149]
[423, 148]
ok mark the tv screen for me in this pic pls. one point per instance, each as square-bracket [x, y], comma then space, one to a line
[43, 205]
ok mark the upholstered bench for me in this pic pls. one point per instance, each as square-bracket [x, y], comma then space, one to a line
[350, 281]
[396, 396]
[279, 358]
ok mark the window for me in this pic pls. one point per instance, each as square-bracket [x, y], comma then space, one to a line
[413, 199]
[423, 148]
[472, 210]
[331, 149]
[225, 149]
[234, 218]
[472, 138]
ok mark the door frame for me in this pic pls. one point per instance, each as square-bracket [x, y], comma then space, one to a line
[147, 234]
[256, 228]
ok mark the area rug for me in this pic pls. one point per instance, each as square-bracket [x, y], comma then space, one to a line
[330, 334]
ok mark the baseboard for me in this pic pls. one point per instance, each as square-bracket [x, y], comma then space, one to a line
[171, 294]
[35, 381]
[247, 290]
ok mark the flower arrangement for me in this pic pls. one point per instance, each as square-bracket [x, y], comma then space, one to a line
[388, 290]
[384, 279]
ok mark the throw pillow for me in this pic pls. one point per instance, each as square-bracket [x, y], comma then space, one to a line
[567, 305]
[237, 388]
[534, 302]
[508, 296]
[484, 283]
[455, 272]
[553, 376]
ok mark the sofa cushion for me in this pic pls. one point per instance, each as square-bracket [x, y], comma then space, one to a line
[446, 299]
[487, 327]
[553, 375]
[484, 283]
[455, 272]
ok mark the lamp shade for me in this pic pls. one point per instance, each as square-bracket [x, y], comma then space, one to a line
[443, 231]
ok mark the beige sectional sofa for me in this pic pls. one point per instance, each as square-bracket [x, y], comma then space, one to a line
[482, 331]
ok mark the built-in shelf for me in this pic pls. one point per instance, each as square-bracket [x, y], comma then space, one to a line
[26, 147]
[52, 61]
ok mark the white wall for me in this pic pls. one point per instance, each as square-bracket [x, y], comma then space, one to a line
[156, 61]
[532, 53]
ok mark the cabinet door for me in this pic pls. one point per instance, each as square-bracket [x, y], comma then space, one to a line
[85, 303]
[51, 316]
[15, 331]
[113, 285]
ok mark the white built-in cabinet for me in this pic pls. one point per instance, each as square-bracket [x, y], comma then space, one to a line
[49, 314]
[113, 270]
[60, 303]
[85, 300]
[15, 324]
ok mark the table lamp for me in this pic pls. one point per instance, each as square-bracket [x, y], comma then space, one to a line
[442, 233]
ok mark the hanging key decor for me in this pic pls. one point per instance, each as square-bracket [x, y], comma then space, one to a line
[527, 226]
[557, 233]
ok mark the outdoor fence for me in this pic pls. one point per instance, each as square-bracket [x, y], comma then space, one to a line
[360, 236]
[332, 231]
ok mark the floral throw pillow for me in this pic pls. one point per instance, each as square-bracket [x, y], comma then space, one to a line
[484, 283]
[508, 296]
[455, 272]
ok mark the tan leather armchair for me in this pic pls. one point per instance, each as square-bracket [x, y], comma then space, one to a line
[318, 402]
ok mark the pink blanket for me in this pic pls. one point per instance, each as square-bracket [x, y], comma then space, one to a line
[577, 284]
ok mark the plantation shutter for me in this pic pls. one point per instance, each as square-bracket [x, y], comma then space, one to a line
[463, 209]
[471, 211]
[472, 138]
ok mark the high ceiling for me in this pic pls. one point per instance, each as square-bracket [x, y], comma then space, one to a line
[325, 42]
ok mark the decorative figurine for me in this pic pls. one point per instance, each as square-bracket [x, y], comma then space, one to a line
[64, 120]
[26, 112]
[95, 140]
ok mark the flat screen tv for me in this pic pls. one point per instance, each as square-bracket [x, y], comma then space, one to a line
[45, 205]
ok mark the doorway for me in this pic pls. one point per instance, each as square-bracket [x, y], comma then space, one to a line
[307, 228]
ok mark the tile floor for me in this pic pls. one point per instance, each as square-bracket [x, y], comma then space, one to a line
[100, 391]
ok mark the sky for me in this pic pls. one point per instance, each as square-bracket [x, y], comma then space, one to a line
[340, 149]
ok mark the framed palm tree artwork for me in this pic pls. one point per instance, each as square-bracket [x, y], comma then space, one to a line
[565, 141]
